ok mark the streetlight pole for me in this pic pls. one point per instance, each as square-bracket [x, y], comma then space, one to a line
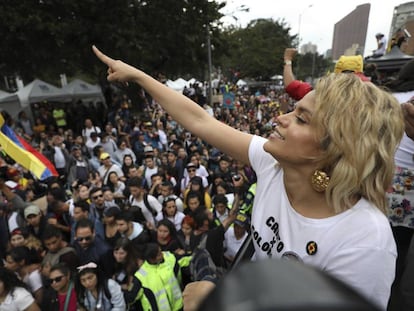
[299, 24]
[210, 93]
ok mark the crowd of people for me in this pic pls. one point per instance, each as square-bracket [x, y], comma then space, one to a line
[147, 204]
[133, 191]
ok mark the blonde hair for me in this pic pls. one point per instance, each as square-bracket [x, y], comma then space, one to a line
[360, 126]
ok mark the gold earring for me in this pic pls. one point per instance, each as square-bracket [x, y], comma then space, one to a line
[320, 181]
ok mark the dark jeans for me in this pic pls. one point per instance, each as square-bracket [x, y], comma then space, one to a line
[403, 237]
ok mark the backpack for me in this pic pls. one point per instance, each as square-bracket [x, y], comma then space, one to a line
[137, 212]
[202, 266]
[107, 292]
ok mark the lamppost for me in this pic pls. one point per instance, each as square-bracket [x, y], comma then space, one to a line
[241, 8]
[210, 93]
[299, 24]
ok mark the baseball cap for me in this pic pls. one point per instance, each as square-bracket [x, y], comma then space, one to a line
[148, 149]
[241, 220]
[104, 155]
[31, 210]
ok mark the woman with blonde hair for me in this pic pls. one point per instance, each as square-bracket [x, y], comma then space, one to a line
[321, 176]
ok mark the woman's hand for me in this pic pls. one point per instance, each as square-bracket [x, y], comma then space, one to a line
[194, 294]
[117, 70]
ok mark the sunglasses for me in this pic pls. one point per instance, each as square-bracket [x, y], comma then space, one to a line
[191, 170]
[97, 196]
[86, 238]
[56, 279]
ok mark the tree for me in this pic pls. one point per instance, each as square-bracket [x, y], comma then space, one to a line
[312, 66]
[43, 38]
[257, 50]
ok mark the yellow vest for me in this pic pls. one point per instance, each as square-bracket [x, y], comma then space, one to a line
[161, 280]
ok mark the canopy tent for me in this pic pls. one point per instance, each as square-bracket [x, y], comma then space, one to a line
[177, 85]
[10, 103]
[241, 83]
[38, 91]
[79, 89]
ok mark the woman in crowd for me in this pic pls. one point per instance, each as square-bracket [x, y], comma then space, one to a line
[312, 184]
[13, 293]
[61, 294]
[110, 228]
[95, 292]
[124, 150]
[18, 260]
[167, 237]
[116, 185]
[21, 237]
[170, 212]
[127, 261]
[81, 192]
[127, 162]
[185, 234]
[196, 186]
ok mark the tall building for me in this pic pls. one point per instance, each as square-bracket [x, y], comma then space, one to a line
[308, 48]
[350, 32]
[403, 21]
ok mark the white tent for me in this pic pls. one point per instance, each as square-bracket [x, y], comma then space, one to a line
[276, 77]
[10, 103]
[171, 84]
[38, 91]
[241, 83]
[178, 84]
[79, 89]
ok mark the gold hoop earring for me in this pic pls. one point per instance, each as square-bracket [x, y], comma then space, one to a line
[320, 181]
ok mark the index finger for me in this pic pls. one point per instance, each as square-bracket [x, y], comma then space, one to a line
[105, 59]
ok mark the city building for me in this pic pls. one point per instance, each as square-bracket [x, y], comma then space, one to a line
[308, 48]
[350, 32]
[402, 24]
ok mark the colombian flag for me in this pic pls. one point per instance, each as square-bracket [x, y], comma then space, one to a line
[24, 154]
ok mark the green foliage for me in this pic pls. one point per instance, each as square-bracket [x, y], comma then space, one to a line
[257, 50]
[44, 38]
[311, 66]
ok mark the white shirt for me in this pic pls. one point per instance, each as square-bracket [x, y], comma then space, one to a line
[86, 132]
[59, 157]
[356, 246]
[231, 243]
[19, 300]
[104, 172]
[33, 280]
[177, 219]
[145, 212]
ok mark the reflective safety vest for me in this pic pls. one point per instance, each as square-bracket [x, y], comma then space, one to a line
[161, 280]
[59, 116]
[247, 206]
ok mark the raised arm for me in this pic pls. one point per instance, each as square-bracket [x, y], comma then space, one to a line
[288, 56]
[186, 112]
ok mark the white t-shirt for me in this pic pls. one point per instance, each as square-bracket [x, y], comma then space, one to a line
[356, 246]
[145, 212]
[19, 300]
[177, 219]
[86, 132]
[33, 280]
[231, 243]
[104, 172]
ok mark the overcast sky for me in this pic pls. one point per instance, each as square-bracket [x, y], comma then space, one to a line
[318, 17]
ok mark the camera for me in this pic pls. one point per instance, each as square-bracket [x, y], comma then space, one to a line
[236, 177]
